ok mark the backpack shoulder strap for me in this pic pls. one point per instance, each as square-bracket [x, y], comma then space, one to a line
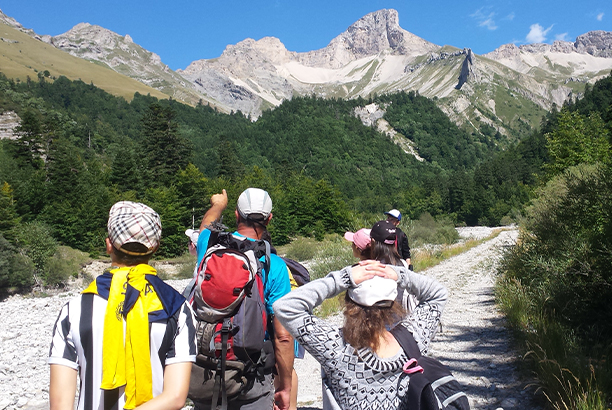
[189, 288]
[406, 341]
[267, 259]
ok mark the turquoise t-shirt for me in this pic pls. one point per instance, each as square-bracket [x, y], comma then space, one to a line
[276, 283]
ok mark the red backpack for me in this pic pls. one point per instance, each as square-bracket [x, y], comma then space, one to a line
[228, 301]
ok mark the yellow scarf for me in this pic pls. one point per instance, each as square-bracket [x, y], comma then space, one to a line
[126, 358]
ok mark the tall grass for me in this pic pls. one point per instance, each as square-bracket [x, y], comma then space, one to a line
[555, 289]
[429, 256]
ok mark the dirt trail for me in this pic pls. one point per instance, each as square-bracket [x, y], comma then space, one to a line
[473, 341]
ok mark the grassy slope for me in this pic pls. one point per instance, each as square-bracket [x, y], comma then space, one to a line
[22, 55]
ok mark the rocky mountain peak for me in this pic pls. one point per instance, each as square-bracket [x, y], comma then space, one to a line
[268, 49]
[375, 32]
[597, 43]
[9, 21]
[370, 35]
[505, 51]
[85, 33]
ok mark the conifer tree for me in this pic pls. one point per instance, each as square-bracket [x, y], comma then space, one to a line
[8, 214]
[165, 151]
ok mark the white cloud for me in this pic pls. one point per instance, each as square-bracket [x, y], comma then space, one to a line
[561, 37]
[484, 19]
[488, 23]
[600, 17]
[537, 33]
[510, 16]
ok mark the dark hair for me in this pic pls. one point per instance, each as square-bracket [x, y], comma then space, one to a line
[363, 325]
[385, 253]
[364, 253]
[254, 221]
[131, 260]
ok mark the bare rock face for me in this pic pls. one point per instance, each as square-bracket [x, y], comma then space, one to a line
[9, 120]
[466, 69]
[266, 70]
[505, 51]
[370, 35]
[595, 43]
[121, 54]
[97, 43]
[9, 21]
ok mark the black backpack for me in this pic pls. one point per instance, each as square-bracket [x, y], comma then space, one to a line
[434, 387]
[298, 271]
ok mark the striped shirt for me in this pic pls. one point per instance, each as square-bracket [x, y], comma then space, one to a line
[77, 343]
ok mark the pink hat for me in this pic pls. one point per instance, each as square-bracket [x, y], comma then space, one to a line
[361, 238]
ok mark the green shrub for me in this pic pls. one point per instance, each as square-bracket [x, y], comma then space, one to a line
[22, 271]
[36, 241]
[185, 271]
[63, 265]
[333, 253]
[301, 249]
[427, 230]
[16, 270]
[556, 285]
[58, 270]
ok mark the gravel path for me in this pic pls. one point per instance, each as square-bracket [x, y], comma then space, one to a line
[473, 341]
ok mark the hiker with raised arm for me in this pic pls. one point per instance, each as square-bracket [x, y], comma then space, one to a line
[129, 337]
[238, 372]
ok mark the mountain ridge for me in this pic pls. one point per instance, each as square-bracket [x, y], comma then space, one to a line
[507, 89]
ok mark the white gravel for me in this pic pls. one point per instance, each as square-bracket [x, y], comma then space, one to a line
[473, 341]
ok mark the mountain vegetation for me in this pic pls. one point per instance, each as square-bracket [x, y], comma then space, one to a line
[556, 283]
[79, 149]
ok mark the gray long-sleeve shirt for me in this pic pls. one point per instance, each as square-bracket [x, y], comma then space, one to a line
[359, 379]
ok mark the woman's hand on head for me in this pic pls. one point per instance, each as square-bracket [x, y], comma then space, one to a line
[367, 269]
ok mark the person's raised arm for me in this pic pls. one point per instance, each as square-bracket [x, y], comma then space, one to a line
[218, 203]
[62, 387]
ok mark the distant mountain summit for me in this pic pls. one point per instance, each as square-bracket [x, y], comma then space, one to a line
[370, 35]
[505, 91]
[122, 55]
[254, 75]
[582, 56]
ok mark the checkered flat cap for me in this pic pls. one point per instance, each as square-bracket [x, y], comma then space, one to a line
[132, 222]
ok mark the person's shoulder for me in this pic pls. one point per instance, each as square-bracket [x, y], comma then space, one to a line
[276, 258]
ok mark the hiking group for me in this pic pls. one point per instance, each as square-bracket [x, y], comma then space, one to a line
[230, 339]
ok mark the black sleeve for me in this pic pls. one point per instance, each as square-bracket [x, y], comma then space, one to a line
[402, 245]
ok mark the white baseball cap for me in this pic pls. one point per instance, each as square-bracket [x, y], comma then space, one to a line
[395, 213]
[254, 201]
[376, 291]
[193, 235]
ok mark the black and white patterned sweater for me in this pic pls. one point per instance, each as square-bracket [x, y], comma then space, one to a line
[359, 379]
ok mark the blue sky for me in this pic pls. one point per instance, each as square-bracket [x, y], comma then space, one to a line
[182, 31]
